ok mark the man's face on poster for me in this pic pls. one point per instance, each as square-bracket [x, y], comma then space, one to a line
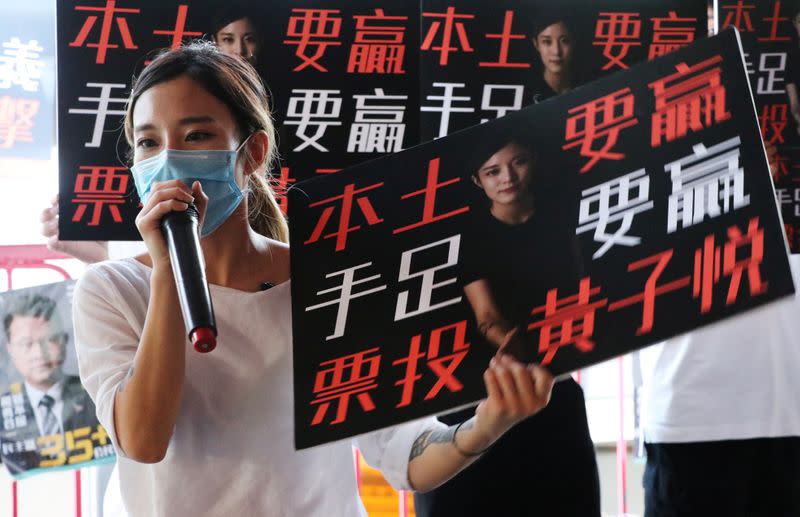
[37, 348]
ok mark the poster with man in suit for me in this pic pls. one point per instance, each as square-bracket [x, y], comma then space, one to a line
[48, 419]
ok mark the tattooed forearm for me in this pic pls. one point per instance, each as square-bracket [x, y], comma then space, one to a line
[428, 438]
[485, 326]
[125, 380]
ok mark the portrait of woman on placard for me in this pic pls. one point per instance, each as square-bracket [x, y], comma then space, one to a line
[557, 58]
[518, 246]
[236, 31]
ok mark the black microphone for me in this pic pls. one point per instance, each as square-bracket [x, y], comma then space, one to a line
[188, 266]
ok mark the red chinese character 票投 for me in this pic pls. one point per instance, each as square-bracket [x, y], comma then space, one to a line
[443, 366]
[342, 378]
[98, 187]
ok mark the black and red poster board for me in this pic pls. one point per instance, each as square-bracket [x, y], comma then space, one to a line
[769, 32]
[654, 214]
[349, 81]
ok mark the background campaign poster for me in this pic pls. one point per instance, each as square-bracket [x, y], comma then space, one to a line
[48, 419]
[342, 77]
[27, 80]
[350, 82]
[610, 217]
[769, 31]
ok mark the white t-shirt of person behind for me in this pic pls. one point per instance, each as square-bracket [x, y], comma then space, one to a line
[733, 380]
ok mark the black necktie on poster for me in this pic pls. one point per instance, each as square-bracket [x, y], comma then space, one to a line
[50, 424]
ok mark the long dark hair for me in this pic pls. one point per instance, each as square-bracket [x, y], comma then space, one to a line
[237, 85]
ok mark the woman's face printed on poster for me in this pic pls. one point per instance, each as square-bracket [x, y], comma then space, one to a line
[506, 176]
[239, 38]
[555, 45]
[796, 22]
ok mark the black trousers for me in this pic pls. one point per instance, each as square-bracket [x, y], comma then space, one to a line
[734, 478]
[543, 467]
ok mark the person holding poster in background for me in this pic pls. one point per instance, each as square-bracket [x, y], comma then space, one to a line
[52, 403]
[519, 246]
[176, 416]
[721, 438]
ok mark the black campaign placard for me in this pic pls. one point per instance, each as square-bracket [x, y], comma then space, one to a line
[342, 80]
[349, 81]
[624, 212]
[769, 31]
[481, 60]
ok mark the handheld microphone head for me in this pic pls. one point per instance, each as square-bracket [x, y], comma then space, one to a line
[204, 339]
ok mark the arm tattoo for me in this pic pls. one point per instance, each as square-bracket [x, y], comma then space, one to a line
[125, 380]
[428, 438]
[484, 327]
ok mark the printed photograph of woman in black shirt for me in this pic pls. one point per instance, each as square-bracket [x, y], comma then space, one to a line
[519, 245]
[558, 47]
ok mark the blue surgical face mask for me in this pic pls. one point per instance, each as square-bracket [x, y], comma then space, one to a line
[215, 170]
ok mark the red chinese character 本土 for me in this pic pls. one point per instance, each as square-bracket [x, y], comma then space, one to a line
[110, 14]
[505, 38]
[179, 31]
[773, 26]
[350, 193]
[450, 23]
[280, 186]
[738, 15]
[429, 200]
